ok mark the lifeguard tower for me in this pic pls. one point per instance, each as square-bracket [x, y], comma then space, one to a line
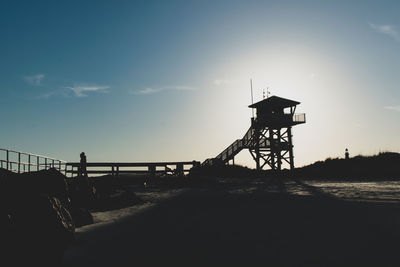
[269, 138]
[272, 139]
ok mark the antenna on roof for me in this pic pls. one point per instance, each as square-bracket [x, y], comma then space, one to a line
[268, 92]
[251, 88]
[263, 93]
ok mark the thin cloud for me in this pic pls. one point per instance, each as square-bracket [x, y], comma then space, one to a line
[395, 108]
[35, 80]
[149, 90]
[46, 95]
[81, 91]
[388, 30]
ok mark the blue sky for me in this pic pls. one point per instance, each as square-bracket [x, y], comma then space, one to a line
[169, 80]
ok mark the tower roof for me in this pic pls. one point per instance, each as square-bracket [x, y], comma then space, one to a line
[275, 102]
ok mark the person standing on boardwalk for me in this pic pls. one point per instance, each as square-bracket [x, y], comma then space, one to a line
[85, 187]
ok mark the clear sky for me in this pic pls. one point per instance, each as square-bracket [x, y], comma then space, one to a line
[169, 80]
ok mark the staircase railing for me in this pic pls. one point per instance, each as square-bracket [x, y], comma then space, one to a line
[234, 148]
[230, 151]
[237, 146]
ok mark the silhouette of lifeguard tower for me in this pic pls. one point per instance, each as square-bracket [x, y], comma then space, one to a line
[269, 138]
[271, 142]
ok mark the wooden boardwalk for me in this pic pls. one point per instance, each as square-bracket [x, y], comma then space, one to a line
[20, 162]
[117, 168]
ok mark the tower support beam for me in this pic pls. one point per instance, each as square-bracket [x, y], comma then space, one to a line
[290, 148]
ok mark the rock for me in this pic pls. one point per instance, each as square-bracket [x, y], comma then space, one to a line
[104, 186]
[81, 192]
[42, 229]
[81, 216]
[46, 182]
[5, 173]
[35, 217]
[130, 197]
[119, 200]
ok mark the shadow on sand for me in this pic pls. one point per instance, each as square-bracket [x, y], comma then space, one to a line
[247, 223]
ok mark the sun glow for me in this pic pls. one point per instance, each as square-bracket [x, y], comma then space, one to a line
[297, 73]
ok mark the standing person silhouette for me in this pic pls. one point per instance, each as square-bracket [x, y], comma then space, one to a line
[346, 154]
[86, 188]
[83, 167]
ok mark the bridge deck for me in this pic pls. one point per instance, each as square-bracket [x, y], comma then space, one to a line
[114, 168]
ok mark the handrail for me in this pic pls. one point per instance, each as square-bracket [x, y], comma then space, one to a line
[34, 155]
[14, 157]
[299, 117]
[236, 146]
[231, 150]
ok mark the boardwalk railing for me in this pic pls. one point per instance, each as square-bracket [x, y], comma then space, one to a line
[17, 161]
[117, 168]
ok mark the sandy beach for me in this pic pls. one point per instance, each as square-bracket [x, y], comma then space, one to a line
[259, 222]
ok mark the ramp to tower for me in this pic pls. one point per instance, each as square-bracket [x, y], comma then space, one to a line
[231, 151]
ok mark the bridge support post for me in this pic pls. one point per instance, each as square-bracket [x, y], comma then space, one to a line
[179, 169]
[7, 159]
[152, 169]
[19, 162]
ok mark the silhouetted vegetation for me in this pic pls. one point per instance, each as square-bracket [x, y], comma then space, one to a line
[384, 166]
[223, 171]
